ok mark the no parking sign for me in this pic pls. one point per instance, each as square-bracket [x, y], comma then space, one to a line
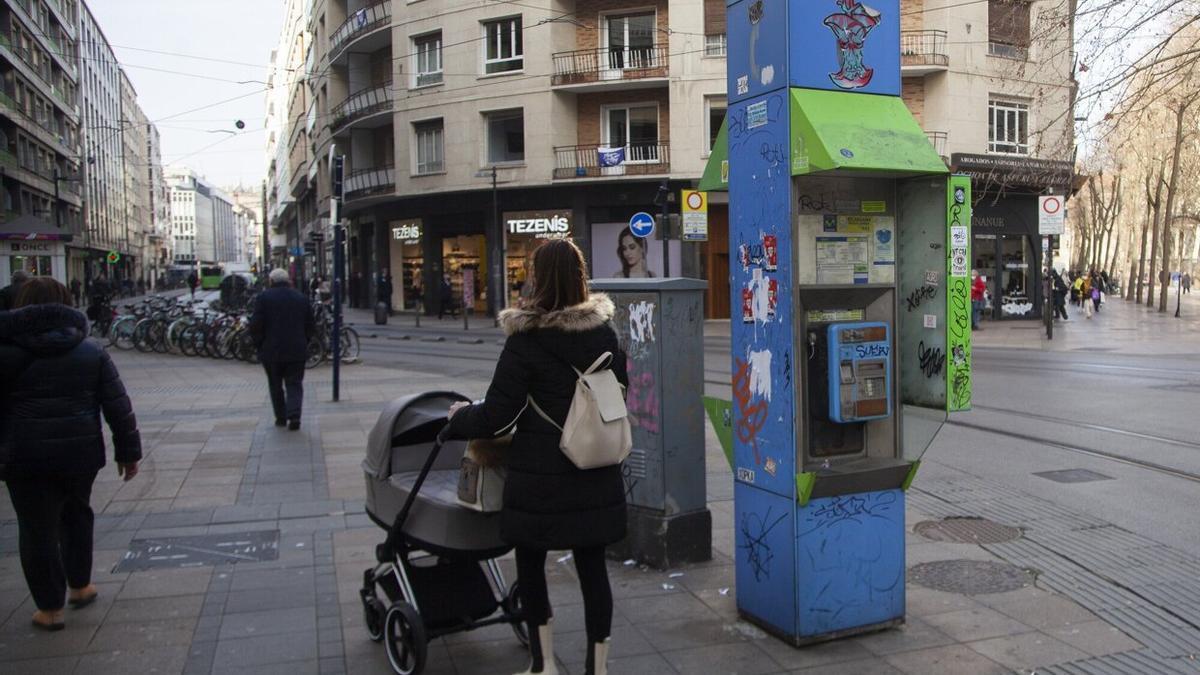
[1052, 213]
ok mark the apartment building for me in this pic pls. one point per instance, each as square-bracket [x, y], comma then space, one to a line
[203, 226]
[39, 138]
[159, 240]
[581, 111]
[289, 203]
[248, 216]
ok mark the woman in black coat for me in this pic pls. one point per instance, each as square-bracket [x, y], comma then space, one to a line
[56, 385]
[548, 503]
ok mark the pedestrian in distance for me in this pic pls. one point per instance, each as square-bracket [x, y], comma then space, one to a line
[383, 290]
[548, 503]
[76, 291]
[1060, 294]
[1097, 291]
[281, 327]
[193, 281]
[57, 386]
[1187, 282]
[445, 297]
[8, 294]
[978, 290]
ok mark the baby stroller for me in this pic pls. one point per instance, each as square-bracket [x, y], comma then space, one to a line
[438, 566]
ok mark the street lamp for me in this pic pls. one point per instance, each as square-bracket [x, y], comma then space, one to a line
[499, 249]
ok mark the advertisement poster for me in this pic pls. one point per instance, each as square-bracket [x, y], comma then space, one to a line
[630, 257]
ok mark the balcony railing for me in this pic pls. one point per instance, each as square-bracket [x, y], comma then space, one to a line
[923, 48]
[607, 64]
[370, 101]
[585, 161]
[938, 140]
[363, 21]
[370, 182]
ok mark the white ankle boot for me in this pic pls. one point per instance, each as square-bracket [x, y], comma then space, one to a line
[597, 658]
[541, 647]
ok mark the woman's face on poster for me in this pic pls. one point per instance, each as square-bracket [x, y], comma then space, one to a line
[631, 251]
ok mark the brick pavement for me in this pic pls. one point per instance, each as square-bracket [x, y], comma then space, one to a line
[216, 465]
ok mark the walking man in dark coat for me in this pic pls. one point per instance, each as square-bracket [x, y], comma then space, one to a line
[8, 294]
[193, 281]
[281, 327]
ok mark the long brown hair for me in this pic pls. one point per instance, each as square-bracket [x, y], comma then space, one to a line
[42, 291]
[559, 275]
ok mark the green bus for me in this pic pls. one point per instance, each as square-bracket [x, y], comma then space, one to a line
[211, 275]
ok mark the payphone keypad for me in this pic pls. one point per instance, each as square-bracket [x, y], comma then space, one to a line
[860, 367]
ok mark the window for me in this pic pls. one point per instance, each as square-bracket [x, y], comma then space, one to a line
[429, 146]
[714, 45]
[1008, 127]
[631, 40]
[428, 53]
[505, 136]
[634, 128]
[503, 49]
[1008, 28]
[716, 115]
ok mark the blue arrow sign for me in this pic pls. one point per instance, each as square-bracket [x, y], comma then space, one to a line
[641, 224]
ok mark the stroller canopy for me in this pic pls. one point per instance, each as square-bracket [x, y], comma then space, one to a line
[406, 421]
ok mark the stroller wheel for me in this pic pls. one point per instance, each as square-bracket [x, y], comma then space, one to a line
[512, 605]
[405, 633]
[375, 614]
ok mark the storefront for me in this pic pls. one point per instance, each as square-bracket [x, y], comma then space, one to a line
[31, 244]
[524, 232]
[1006, 247]
[408, 263]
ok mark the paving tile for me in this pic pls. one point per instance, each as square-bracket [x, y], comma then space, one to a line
[47, 666]
[914, 634]
[823, 653]
[483, 658]
[19, 640]
[646, 664]
[689, 633]
[950, 660]
[268, 622]
[625, 641]
[1027, 651]
[161, 660]
[976, 624]
[1045, 613]
[162, 583]
[925, 601]
[741, 658]
[665, 608]
[862, 667]
[249, 580]
[270, 599]
[309, 667]
[265, 650]
[1095, 637]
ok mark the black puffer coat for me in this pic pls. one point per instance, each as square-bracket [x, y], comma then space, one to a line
[548, 503]
[56, 383]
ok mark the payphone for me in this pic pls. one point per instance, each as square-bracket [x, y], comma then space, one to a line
[859, 371]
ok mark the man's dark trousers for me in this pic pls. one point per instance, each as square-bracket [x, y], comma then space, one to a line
[55, 534]
[289, 374]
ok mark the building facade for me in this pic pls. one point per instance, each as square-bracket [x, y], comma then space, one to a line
[159, 256]
[40, 167]
[203, 227]
[469, 133]
[248, 211]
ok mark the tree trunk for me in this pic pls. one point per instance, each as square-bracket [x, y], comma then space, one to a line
[1141, 261]
[1152, 278]
[1180, 112]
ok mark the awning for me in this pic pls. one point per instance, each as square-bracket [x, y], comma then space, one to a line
[32, 228]
[844, 132]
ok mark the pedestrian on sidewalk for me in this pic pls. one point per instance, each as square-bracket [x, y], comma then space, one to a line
[193, 281]
[281, 326]
[978, 289]
[1060, 294]
[76, 290]
[8, 294]
[56, 386]
[445, 297]
[549, 504]
[1097, 291]
[1187, 283]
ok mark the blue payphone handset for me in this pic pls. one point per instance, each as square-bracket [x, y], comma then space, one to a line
[860, 371]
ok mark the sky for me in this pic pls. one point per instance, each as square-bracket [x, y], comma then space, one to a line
[244, 31]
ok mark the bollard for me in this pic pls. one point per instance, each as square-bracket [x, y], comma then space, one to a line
[660, 323]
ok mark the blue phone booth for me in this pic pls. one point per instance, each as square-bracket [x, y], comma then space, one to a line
[849, 275]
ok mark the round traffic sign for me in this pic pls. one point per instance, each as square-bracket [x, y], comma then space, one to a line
[1051, 205]
[695, 201]
[641, 224]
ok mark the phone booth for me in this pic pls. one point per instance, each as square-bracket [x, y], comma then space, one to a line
[851, 327]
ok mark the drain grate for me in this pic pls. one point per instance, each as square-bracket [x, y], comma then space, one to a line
[967, 530]
[1073, 476]
[970, 577]
[198, 550]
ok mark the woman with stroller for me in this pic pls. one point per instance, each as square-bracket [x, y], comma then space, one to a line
[549, 504]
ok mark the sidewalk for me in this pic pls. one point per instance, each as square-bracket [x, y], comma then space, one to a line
[1093, 596]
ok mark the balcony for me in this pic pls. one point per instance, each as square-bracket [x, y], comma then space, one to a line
[368, 22]
[584, 161]
[611, 68]
[938, 140]
[368, 107]
[923, 52]
[373, 182]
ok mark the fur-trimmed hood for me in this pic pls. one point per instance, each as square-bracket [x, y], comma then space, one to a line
[594, 312]
[44, 330]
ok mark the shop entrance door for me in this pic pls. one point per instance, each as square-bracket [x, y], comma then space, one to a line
[1018, 278]
[984, 248]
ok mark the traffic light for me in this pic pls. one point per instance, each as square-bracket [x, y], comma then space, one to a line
[310, 248]
[336, 169]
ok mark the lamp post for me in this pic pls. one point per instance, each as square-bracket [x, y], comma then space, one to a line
[499, 283]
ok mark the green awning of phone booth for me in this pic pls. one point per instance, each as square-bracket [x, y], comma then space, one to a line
[842, 131]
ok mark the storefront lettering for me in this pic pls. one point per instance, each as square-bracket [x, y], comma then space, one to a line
[24, 247]
[408, 232]
[553, 226]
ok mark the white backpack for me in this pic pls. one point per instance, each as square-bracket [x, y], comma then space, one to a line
[597, 432]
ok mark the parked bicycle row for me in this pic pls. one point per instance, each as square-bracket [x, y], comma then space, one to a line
[192, 328]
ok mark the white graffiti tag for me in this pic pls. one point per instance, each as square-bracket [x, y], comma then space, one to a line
[760, 374]
[641, 322]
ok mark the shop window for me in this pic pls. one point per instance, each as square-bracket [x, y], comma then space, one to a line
[429, 154]
[428, 53]
[1008, 28]
[1008, 127]
[716, 108]
[630, 40]
[634, 128]
[1016, 281]
[35, 265]
[505, 136]
[503, 48]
